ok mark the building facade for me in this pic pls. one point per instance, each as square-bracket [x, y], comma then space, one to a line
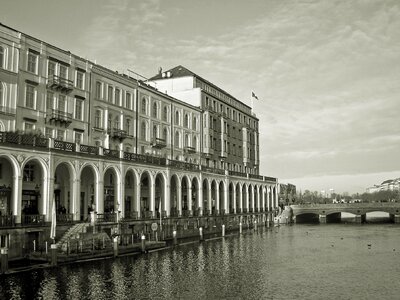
[94, 141]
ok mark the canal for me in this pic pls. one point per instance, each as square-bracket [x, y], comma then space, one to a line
[303, 261]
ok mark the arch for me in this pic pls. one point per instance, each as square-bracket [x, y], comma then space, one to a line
[232, 195]
[195, 196]
[2, 57]
[155, 132]
[244, 198]
[222, 199]
[206, 193]
[194, 123]
[2, 92]
[165, 113]
[143, 106]
[185, 192]
[35, 189]
[10, 191]
[91, 191]
[155, 110]
[214, 196]
[238, 197]
[112, 195]
[250, 191]
[174, 195]
[145, 196]
[177, 117]
[186, 143]
[160, 196]
[186, 123]
[130, 210]
[63, 189]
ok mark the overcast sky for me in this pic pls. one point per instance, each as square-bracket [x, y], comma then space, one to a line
[327, 73]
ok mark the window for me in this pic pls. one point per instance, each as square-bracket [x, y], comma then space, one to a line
[155, 110]
[117, 96]
[78, 137]
[109, 121]
[97, 119]
[116, 122]
[165, 113]
[177, 118]
[194, 123]
[128, 101]
[143, 131]
[49, 100]
[155, 131]
[63, 72]
[78, 109]
[144, 102]
[98, 90]
[51, 69]
[186, 140]
[177, 138]
[110, 94]
[165, 134]
[60, 135]
[32, 62]
[48, 132]
[1, 93]
[128, 126]
[2, 56]
[186, 121]
[80, 79]
[62, 103]
[194, 145]
[29, 173]
[30, 96]
[28, 126]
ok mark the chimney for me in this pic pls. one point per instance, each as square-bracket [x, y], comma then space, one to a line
[159, 70]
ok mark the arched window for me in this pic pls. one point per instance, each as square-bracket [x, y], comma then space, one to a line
[177, 118]
[155, 131]
[109, 121]
[186, 140]
[116, 122]
[165, 135]
[165, 113]
[155, 110]
[143, 131]
[194, 145]
[186, 121]
[194, 123]
[2, 55]
[144, 102]
[98, 90]
[117, 96]
[177, 138]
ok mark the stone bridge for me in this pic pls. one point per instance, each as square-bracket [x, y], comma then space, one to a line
[332, 212]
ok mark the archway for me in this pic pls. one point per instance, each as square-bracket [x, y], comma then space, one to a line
[232, 205]
[251, 198]
[205, 197]
[88, 197]
[238, 203]
[63, 192]
[185, 196]
[145, 185]
[256, 199]
[7, 190]
[222, 199]
[195, 197]
[130, 207]
[174, 196]
[213, 197]
[32, 205]
[244, 198]
[160, 205]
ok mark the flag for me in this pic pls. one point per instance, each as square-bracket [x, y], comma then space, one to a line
[254, 95]
[53, 220]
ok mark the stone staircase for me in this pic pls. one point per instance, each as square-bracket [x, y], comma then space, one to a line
[72, 233]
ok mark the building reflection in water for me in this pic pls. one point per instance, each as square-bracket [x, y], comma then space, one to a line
[48, 287]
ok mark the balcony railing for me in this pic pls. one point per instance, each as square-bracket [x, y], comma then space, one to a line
[183, 165]
[89, 149]
[7, 221]
[107, 217]
[58, 116]
[239, 174]
[189, 149]
[33, 220]
[158, 143]
[65, 146]
[254, 176]
[213, 170]
[117, 134]
[147, 159]
[64, 218]
[111, 153]
[60, 84]
[23, 139]
[266, 178]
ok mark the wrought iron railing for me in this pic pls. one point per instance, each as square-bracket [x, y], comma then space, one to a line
[7, 221]
[32, 220]
[89, 149]
[183, 165]
[111, 153]
[65, 146]
[59, 83]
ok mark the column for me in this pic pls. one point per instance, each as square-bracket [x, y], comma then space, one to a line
[17, 198]
[209, 197]
[227, 200]
[268, 204]
[179, 198]
[276, 195]
[152, 186]
[217, 198]
[240, 198]
[263, 199]
[167, 197]
[137, 200]
[75, 195]
[190, 198]
[322, 219]
[234, 198]
[247, 199]
[258, 199]
[99, 197]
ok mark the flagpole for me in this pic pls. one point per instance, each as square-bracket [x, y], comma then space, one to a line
[251, 97]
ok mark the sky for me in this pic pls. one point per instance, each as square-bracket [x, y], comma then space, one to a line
[327, 73]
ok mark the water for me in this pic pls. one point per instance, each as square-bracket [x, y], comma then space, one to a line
[332, 261]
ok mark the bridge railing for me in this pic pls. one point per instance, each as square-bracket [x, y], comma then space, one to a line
[347, 205]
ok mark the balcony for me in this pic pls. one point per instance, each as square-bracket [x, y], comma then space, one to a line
[118, 134]
[61, 117]
[60, 84]
[24, 139]
[158, 143]
[189, 149]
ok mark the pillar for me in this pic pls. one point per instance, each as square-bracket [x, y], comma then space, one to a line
[53, 250]
[234, 198]
[99, 195]
[189, 192]
[4, 260]
[240, 198]
[17, 198]
[209, 197]
[179, 198]
[152, 187]
[217, 198]
[75, 200]
[322, 219]
[137, 198]
[167, 198]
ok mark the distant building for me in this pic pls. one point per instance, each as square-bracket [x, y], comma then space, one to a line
[387, 185]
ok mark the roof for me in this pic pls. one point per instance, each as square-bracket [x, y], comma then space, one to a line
[181, 71]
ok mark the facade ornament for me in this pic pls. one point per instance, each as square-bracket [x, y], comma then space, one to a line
[20, 158]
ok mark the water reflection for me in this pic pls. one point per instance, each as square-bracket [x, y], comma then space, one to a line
[289, 262]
